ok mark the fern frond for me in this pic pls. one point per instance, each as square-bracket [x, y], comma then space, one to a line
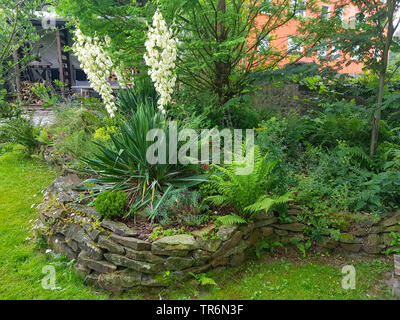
[231, 219]
[264, 203]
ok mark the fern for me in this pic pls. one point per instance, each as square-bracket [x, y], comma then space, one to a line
[264, 203]
[246, 193]
[203, 280]
[231, 219]
[241, 190]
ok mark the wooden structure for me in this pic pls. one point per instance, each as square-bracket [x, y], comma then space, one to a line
[64, 65]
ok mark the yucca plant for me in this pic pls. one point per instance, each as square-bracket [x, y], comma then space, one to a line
[122, 164]
[249, 194]
[141, 93]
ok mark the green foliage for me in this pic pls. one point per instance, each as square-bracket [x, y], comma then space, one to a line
[122, 164]
[231, 219]
[18, 33]
[159, 232]
[75, 126]
[214, 35]
[111, 204]
[267, 244]
[8, 111]
[345, 178]
[124, 22]
[303, 246]
[395, 244]
[246, 193]
[45, 94]
[21, 131]
[72, 117]
[142, 92]
[203, 280]
[181, 205]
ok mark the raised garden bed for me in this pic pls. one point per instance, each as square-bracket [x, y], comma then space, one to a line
[114, 255]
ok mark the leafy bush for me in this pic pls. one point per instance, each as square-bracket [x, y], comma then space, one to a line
[122, 164]
[345, 178]
[78, 144]
[131, 97]
[111, 204]
[249, 193]
[74, 129]
[20, 131]
[181, 205]
[71, 118]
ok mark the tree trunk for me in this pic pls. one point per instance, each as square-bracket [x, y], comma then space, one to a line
[17, 75]
[382, 76]
[377, 116]
[221, 67]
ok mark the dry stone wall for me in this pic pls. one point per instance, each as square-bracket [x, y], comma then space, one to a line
[110, 255]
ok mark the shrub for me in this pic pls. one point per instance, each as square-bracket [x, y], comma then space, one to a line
[181, 205]
[131, 97]
[20, 131]
[249, 194]
[122, 163]
[345, 178]
[111, 204]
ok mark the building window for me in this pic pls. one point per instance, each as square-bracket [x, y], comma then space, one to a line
[339, 13]
[263, 46]
[293, 48]
[299, 7]
[325, 12]
[335, 53]
[355, 54]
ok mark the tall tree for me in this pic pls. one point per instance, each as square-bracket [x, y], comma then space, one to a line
[368, 37]
[223, 41]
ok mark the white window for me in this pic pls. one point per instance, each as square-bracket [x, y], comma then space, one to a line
[340, 13]
[263, 45]
[354, 55]
[325, 12]
[293, 48]
[335, 53]
[322, 53]
[299, 6]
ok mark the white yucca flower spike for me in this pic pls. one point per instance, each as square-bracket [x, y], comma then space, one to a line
[97, 65]
[161, 55]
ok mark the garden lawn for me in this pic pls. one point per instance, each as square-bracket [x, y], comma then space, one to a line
[280, 276]
[21, 263]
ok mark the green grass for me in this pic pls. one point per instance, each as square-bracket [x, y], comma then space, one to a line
[282, 276]
[21, 263]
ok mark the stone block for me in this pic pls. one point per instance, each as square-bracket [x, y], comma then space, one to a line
[132, 243]
[119, 228]
[106, 243]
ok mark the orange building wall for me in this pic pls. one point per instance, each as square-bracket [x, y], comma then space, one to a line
[281, 35]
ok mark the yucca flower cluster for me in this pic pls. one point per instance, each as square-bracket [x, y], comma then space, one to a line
[160, 57]
[97, 66]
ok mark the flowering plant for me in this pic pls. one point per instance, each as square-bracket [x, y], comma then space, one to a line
[97, 66]
[160, 57]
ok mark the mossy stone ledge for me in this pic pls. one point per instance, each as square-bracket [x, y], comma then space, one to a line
[109, 255]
